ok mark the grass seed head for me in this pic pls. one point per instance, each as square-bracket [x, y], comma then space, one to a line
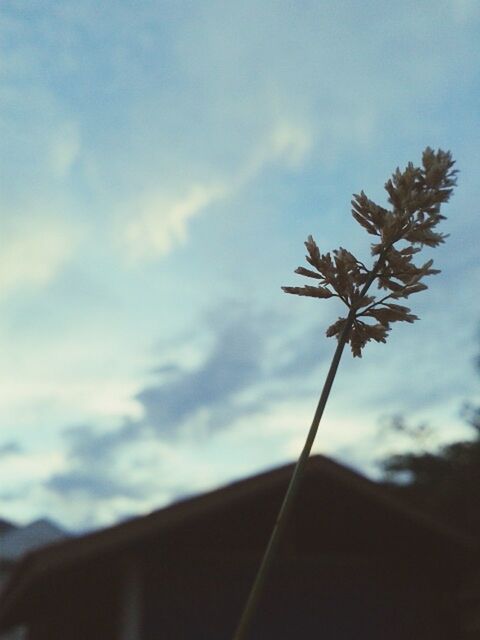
[415, 195]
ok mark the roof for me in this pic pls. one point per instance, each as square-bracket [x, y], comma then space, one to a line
[59, 557]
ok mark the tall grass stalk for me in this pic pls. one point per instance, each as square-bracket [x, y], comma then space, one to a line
[416, 195]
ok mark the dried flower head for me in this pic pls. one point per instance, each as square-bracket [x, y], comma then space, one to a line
[416, 195]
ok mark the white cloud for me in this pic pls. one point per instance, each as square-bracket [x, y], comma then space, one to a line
[102, 399]
[287, 144]
[36, 466]
[34, 249]
[161, 222]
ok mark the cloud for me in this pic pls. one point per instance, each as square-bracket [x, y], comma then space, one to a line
[9, 449]
[28, 466]
[248, 367]
[34, 250]
[100, 486]
[231, 384]
[244, 370]
[250, 390]
[89, 446]
[287, 143]
[90, 468]
[233, 365]
[111, 474]
[290, 143]
[120, 470]
[159, 222]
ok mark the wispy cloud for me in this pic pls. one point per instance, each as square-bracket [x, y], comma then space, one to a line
[90, 471]
[34, 250]
[181, 413]
[249, 390]
[160, 224]
[97, 486]
[25, 466]
[200, 147]
[157, 222]
[233, 365]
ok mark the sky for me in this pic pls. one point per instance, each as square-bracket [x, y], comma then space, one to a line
[162, 164]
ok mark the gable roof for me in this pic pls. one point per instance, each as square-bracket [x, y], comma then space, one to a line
[62, 556]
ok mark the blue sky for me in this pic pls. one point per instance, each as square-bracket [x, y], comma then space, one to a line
[162, 164]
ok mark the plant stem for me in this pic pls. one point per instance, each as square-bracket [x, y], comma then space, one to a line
[289, 499]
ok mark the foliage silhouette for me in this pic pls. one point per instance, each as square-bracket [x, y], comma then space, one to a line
[445, 483]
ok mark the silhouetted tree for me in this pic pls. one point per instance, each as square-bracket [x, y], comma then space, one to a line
[446, 483]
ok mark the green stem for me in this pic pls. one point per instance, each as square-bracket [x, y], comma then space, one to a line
[289, 499]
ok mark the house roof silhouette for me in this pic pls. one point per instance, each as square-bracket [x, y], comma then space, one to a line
[239, 518]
